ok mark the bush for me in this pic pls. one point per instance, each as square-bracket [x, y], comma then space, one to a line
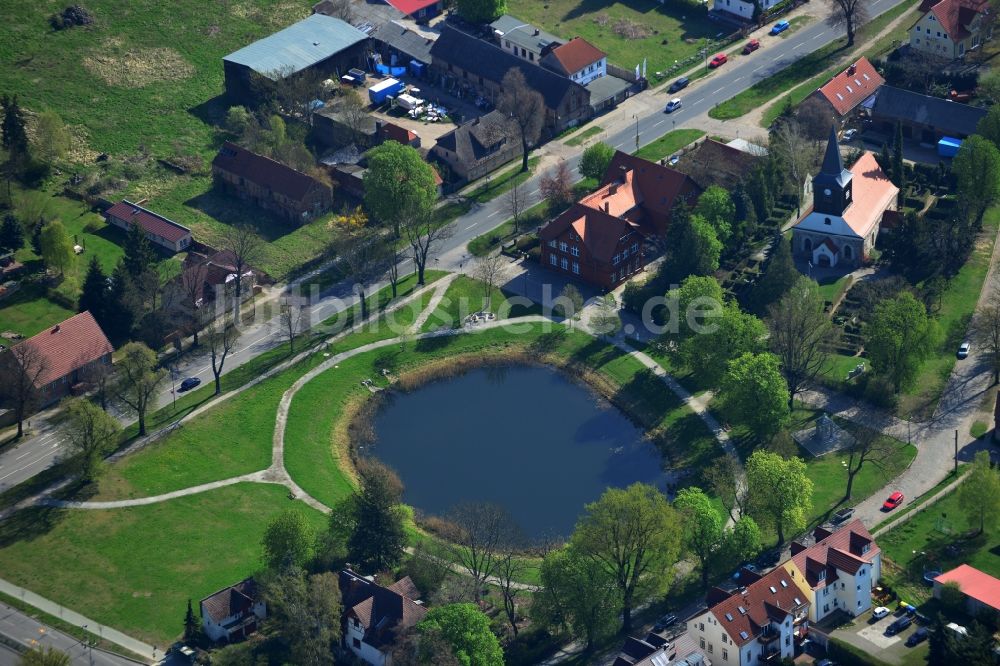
[879, 392]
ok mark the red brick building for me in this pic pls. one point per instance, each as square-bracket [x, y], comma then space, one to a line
[601, 238]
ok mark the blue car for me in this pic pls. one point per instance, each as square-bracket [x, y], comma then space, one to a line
[779, 27]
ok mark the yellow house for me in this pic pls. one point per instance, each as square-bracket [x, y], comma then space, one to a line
[949, 28]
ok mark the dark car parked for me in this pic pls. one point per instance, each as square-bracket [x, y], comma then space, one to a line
[842, 515]
[917, 637]
[190, 383]
[898, 626]
[664, 622]
[679, 84]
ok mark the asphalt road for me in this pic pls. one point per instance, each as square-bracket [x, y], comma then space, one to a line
[23, 629]
[38, 452]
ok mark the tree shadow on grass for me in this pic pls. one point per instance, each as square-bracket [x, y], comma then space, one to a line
[548, 342]
[212, 112]
[231, 210]
[28, 524]
[595, 354]
[433, 344]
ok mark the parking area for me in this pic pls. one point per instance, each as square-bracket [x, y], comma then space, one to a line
[869, 636]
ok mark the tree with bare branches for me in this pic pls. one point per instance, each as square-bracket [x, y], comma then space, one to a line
[137, 379]
[423, 235]
[725, 479]
[870, 448]
[482, 530]
[848, 13]
[192, 284]
[491, 270]
[797, 152]
[515, 201]
[557, 185]
[221, 338]
[21, 367]
[247, 248]
[800, 335]
[91, 434]
[294, 318]
[525, 106]
[510, 568]
[354, 111]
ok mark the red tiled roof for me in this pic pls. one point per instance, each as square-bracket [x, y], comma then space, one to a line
[660, 185]
[230, 601]
[841, 550]
[264, 171]
[151, 223]
[852, 86]
[412, 6]
[773, 597]
[68, 346]
[954, 15]
[384, 612]
[574, 55]
[397, 133]
[982, 587]
[873, 193]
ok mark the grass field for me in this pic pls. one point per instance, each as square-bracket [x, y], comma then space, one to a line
[668, 144]
[675, 30]
[134, 569]
[465, 296]
[578, 138]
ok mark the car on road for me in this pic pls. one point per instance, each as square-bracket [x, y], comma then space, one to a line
[842, 515]
[850, 134]
[673, 105]
[718, 60]
[824, 662]
[964, 349]
[780, 27]
[664, 622]
[898, 626]
[892, 501]
[679, 84]
[880, 612]
[917, 637]
[751, 46]
[189, 383]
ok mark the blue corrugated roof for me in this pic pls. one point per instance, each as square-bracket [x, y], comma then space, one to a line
[298, 46]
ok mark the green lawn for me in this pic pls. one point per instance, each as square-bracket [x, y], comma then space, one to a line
[503, 182]
[668, 144]
[578, 139]
[830, 290]
[813, 66]
[674, 30]
[465, 296]
[135, 569]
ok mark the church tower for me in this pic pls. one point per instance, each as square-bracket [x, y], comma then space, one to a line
[832, 185]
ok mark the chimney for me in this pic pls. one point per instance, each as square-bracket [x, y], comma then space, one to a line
[852, 69]
[56, 329]
[613, 188]
[607, 209]
[537, 32]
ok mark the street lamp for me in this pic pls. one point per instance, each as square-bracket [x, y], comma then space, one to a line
[636, 116]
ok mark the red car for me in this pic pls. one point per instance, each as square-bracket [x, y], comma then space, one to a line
[719, 60]
[751, 46]
[894, 500]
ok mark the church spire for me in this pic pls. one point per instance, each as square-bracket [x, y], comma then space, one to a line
[832, 164]
[832, 185]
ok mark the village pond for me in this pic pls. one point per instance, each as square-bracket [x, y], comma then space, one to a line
[525, 437]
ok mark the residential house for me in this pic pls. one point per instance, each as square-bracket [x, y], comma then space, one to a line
[233, 613]
[740, 11]
[753, 624]
[67, 353]
[271, 185]
[461, 61]
[981, 590]
[158, 229]
[712, 162]
[656, 650]
[852, 88]
[841, 227]
[601, 238]
[475, 148]
[375, 616]
[398, 45]
[949, 28]
[523, 39]
[317, 44]
[418, 10]
[207, 276]
[921, 117]
[838, 571]
[577, 60]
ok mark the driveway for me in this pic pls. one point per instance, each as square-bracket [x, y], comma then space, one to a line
[870, 638]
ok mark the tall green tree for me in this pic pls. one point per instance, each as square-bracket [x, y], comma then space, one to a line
[191, 624]
[727, 336]
[742, 541]
[753, 392]
[139, 254]
[467, 631]
[91, 434]
[779, 492]
[94, 293]
[124, 305]
[693, 246]
[703, 527]
[377, 539]
[989, 125]
[800, 335]
[287, 541]
[306, 613]
[778, 278]
[979, 494]
[481, 11]
[13, 127]
[397, 183]
[634, 534]
[57, 248]
[695, 304]
[137, 380]
[716, 207]
[977, 175]
[595, 160]
[898, 338]
[578, 594]
[11, 234]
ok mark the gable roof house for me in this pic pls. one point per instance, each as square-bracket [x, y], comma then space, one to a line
[712, 162]
[65, 354]
[949, 28]
[158, 229]
[375, 616]
[522, 39]
[418, 10]
[848, 206]
[271, 185]
[397, 44]
[923, 118]
[318, 43]
[462, 61]
[839, 570]
[601, 238]
[849, 89]
[233, 612]
[981, 590]
[764, 620]
[578, 60]
[475, 148]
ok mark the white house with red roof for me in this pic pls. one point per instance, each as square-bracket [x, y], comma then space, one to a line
[578, 60]
[375, 616]
[981, 590]
[838, 571]
[949, 28]
[233, 613]
[851, 88]
[66, 352]
[848, 206]
[158, 229]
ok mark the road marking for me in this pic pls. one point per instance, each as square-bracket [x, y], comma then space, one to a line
[496, 212]
[821, 34]
[799, 45]
[659, 123]
[471, 226]
[735, 80]
[719, 90]
[618, 146]
[759, 68]
[699, 100]
[535, 192]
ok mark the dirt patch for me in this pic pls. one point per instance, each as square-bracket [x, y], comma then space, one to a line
[278, 16]
[123, 67]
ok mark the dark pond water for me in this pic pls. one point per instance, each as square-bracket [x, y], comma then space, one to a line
[527, 438]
